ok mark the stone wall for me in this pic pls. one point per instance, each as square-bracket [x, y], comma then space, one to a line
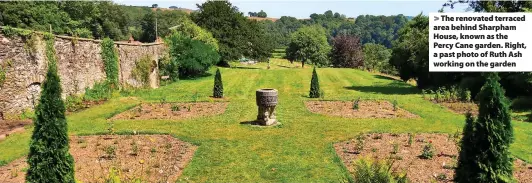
[79, 63]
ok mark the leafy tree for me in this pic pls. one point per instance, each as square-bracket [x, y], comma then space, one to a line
[314, 85]
[165, 20]
[261, 44]
[375, 29]
[262, 14]
[49, 158]
[227, 24]
[485, 154]
[309, 43]
[218, 90]
[376, 58]
[252, 14]
[190, 29]
[188, 57]
[493, 6]
[154, 6]
[347, 52]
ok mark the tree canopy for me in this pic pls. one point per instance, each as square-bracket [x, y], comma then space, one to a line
[309, 43]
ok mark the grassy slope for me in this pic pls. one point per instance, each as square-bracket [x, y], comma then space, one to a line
[299, 150]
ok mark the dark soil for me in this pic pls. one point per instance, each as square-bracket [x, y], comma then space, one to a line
[150, 158]
[173, 111]
[407, 157]
[8, 127]
[367, 109]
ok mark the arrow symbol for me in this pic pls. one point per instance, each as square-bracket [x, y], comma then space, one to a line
[436, 18]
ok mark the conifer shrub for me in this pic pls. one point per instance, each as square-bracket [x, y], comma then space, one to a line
[314, 85]
[218, 90]
[484, 154]
[49, 158]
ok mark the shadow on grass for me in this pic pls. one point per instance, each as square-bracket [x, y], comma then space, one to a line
[397, 89]
[286, 66]
[244, 68]
[384, 77]
[254, 122]
[201, 76]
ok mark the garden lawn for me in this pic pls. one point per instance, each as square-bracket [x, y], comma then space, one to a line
[298, 150]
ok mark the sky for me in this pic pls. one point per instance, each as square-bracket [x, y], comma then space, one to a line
[303, 8]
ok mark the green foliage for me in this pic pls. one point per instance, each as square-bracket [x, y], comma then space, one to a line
[218, 89]
[376, 58]
[371, 171]
[143, 68]
[99, 91]
[74, 103]
[359, 146]
[410, 139]
[356, 104]
[428, 151]
[309, 43]
[485, 155]
[394, 103]
[164, 19]
[114, 175]
[375, 29]
[395, 149]
[190, 29]
[234, 32]
[314, 85]
[190, 57]
[49, 158]
[82, 18]
[347, 52]
[3, 71]
[110, 60]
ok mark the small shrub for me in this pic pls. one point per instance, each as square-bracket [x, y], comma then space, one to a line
[110, 151]
[371, 171]
[314, 85]
[218, 89]
[410, 139]
[428, 151]
[190, 57]
[175, 108]
[441, 177]
[424, 94]
[195, 97]
[356, 104]
[2, 75]
[395, 148]
[114, 176]
[359, 146]
[373, 149]
[134, 149]
[100, 91]
[74, 103]
[394, 105]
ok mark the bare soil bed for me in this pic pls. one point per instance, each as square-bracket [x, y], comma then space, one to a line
[173, 111]
[407, 157]
[8, 127]
[150, 158]
[461, 107]
[367, 109]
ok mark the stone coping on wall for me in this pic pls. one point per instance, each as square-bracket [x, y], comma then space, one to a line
[93, 40]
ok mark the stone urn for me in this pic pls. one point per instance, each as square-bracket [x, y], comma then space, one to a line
[266, 101]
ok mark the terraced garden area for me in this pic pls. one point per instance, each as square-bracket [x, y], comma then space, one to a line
[302, 149]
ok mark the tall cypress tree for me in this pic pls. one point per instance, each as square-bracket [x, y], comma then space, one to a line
[485, 155]
[218, 90]
[49, 158]
[314, 85]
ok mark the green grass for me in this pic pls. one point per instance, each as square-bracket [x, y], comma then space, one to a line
[299, 150]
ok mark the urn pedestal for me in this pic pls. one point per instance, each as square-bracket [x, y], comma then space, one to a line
[266, 101]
